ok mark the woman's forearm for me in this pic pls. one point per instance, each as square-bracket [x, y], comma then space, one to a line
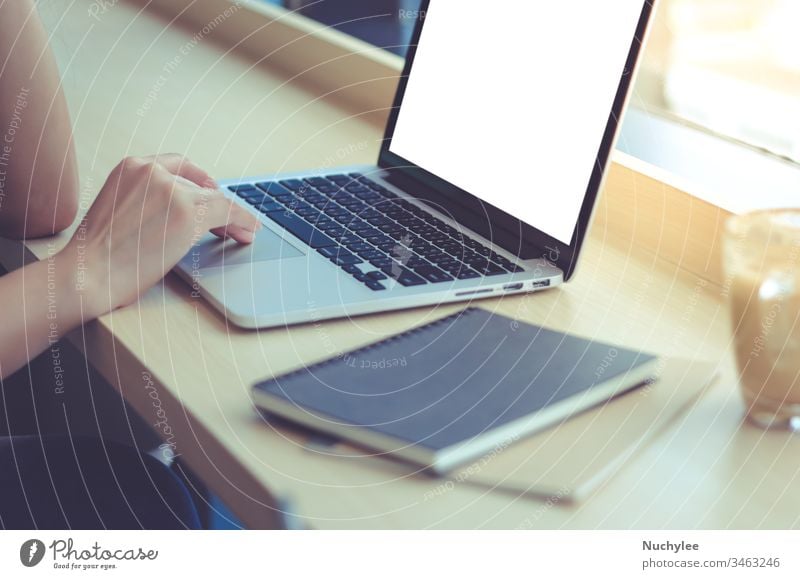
[42, 302]
[38, 171]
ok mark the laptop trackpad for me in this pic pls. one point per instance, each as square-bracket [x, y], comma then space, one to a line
[267, 246]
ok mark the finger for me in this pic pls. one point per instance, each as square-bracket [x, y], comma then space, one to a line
[181, 166]
[220, 212]
[235, 232]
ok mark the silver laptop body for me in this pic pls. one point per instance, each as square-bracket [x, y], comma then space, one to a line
[359, 240]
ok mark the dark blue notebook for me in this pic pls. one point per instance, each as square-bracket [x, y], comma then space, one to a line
[452, 390]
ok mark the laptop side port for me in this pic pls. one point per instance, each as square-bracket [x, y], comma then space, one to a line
[473, 292]
[513, 287]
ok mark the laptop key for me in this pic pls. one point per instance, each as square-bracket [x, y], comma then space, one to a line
[336, 232]
[378, 221]
[339, 177]
[305, 191]
[437, 238]
[369, 196]
[410, 279]
[293, 184]
[340, 256]
[334, 252]
[355, 206]
[376, 275]
[420, 243]
[477, 263]
[328, 189]
[451, 247]
[317, 181]
[285, 199]
[239, 189]
[434, 255]
[382, 261]
[347, 259]
[351, 269]
[297, 205]
[302, 230]
[315, 219]
[273, 189]
[375, 286]
[327, 225]
[269, 207]
[344, 218]
[339, 217]
[467, 274]
[369, 213]
[250, 193]
[329, 252]
[368, 231]
[341, 196]
[432, 274]
[416, 261]
[315, 198]
[257, 197]
[492, 269]
[403, 276]
[453, 268]
[370, 254]
[359, 246]
[350, 238]
[359, 225]
[307, 212]
[324, 221]
[397, 234]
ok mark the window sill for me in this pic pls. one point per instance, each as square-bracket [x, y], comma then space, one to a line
[355, 74]
[731, 175]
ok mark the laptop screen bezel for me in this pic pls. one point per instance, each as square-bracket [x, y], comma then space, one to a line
[511, 233]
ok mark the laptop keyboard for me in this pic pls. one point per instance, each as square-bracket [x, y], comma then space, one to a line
[371, 233]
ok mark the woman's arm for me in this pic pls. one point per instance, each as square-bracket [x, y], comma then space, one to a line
[41, 303]
[38, 172]
[145, 219]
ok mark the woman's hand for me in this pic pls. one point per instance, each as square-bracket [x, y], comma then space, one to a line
[147, 216]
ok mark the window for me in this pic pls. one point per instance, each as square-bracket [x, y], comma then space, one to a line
[384, 23]
[731, 67]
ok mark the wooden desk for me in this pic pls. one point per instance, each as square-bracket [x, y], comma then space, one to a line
[708, 470]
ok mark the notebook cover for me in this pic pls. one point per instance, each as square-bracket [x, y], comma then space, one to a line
[569, 461]
[453, 379]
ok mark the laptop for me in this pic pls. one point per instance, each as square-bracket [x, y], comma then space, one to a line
[494, 153]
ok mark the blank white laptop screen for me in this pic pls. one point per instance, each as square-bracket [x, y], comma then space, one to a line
[509, 100]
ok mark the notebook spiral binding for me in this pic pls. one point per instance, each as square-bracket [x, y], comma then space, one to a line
[374, 345]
